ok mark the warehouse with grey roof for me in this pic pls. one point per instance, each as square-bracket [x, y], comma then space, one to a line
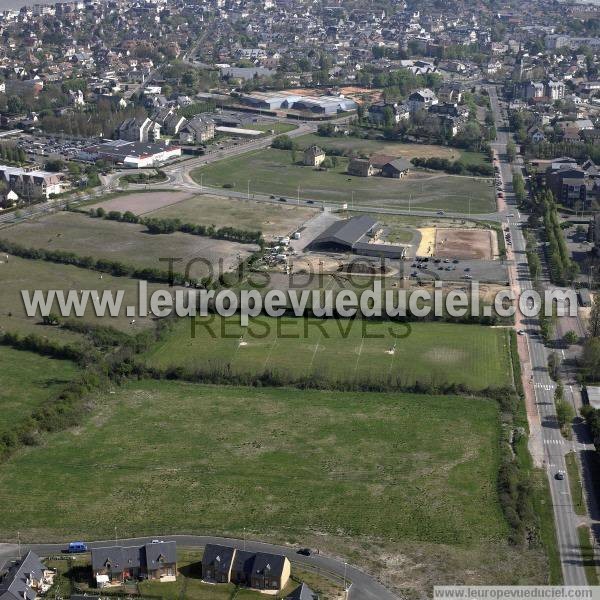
[355, 235]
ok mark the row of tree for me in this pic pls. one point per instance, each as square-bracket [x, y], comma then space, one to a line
[166, 225]
[456, 167]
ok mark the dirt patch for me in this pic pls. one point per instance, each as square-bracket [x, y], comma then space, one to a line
[427, 243]
[466, 244]
[142, 203]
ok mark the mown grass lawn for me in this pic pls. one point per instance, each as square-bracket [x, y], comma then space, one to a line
[275, 172]
[341, 350]
[166, 457]
[26, 381]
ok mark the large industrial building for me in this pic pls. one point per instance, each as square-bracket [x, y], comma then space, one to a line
[132, 154]
[324, 105]
[356, 235]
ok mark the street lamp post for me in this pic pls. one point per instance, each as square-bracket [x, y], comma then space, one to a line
[248, 195]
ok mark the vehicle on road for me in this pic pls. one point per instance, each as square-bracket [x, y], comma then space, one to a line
[304, 551]
[77, 547]
[560, 475]
[521, 332]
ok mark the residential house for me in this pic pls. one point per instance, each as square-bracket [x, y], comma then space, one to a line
[302, 592]
[26, 579]
[168, 119]
[197, 130]
[396, 169]
[361, 167]
[380, 110]
[112, 565]
[421, 100]
[313, 156]
[256, 570]
[137, 129]
[31, 185]
[535, 134]
[450, 92]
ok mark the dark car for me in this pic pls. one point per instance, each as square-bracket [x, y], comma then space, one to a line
[282, 199]
[304, 551]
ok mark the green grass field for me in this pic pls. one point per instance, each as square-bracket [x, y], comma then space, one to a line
[272, 171]
[26, 381]
[23, 274]
[278, 128]
[125, 242]
[351, 144]
[402, 484]
[436, 353]
[271, 219]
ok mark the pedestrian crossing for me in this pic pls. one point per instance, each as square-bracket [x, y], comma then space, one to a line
[544, 386]
[554, 442]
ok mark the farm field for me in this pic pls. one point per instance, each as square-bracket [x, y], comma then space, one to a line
[398, 149]
[271, 219]
[272, 171]
[345, 351]
[23, 274]
[125, 242]
[347, 473]
[43, 376]
[140, 203]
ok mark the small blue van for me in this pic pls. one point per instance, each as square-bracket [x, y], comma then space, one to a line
[75, 547]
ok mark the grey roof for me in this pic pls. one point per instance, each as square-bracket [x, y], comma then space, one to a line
[593, 394]
[118, 558]
[243, 562]
[400, 163]
[268, 564]
[160, 554]
[346, 232]
[302, 592]
[218, 556]
[14, 583]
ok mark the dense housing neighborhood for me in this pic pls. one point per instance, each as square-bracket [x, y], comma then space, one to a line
[309, 288]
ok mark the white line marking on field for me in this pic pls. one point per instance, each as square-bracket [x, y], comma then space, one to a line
[362, 342]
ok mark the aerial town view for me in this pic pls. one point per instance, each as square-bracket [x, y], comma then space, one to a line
[299, 299]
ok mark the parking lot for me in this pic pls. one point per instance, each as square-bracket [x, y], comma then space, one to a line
[40, 148]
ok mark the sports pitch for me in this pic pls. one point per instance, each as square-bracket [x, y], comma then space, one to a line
[273, 172]
[342, 350]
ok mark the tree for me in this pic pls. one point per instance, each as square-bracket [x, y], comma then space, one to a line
[571, 337]
[594, 327]
[591, 356]
[511, 151]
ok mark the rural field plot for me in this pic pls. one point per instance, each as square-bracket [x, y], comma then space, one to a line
[43, 376]
[436, 353]
[401, 150]
[272, 171]
[140, 203]
[125, 242]
[22, 274]
[348, 473]
[271, 219]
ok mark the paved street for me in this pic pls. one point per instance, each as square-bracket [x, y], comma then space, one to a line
[554, 445]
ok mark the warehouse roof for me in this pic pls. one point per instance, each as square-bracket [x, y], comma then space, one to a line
[347, 232]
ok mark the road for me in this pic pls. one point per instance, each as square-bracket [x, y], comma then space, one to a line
[554, 445]
[361, 586]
